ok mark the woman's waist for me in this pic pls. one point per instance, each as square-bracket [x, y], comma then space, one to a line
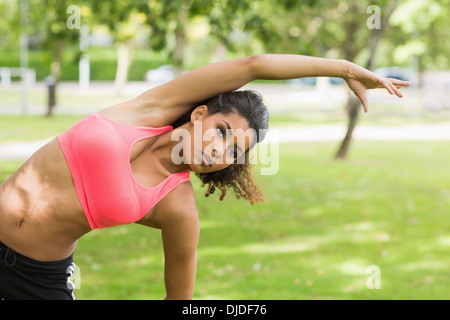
[41, 235]
[43, 228]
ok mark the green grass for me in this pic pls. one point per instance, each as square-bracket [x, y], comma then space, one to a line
[68, 100]
[36, 127]
[33, 127]
[323, 223]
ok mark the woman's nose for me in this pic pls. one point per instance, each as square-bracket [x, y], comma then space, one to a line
[217, 151]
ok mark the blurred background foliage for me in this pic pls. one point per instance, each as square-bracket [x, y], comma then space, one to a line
[188, 33]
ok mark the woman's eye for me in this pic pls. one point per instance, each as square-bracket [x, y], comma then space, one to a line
[232, 153]
[221, 131]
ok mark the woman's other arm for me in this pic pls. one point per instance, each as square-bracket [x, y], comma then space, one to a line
[179, 222]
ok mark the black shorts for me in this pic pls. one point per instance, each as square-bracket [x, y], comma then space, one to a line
[28, 279]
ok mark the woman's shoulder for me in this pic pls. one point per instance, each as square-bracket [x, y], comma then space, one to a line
[151, 109]
[178, 209]
[137, 112]
[178, 205]
[181, 200]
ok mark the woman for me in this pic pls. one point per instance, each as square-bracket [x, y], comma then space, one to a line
[118, 166]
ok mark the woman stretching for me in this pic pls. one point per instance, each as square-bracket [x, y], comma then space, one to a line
[130, 163]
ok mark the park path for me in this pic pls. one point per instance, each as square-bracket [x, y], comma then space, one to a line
[280, 99]
[285, 134]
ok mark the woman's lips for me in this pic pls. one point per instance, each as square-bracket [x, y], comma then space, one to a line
[206, 160]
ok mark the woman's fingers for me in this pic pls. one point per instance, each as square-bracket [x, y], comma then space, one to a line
[362, 96]
[390, 84]
[387, 85]
[399, 83]
[393, 86]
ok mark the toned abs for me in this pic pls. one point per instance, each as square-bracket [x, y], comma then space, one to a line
[40, 214]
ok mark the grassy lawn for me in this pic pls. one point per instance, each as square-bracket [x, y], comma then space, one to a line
[323, 223]
[34, 127]
[37, 127]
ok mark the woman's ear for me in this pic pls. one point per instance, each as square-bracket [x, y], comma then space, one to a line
[199, 113]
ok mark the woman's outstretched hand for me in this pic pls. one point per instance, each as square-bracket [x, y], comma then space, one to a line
[359, 80]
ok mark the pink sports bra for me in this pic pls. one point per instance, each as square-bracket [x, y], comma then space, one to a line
[97, 151]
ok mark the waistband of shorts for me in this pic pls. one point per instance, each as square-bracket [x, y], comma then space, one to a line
[21, 259]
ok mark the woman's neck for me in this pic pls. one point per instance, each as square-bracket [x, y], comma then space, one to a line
[161, 148]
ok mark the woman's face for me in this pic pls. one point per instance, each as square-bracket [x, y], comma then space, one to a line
[216, 140]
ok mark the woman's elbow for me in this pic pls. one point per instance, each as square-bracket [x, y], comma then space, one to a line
[253, 64]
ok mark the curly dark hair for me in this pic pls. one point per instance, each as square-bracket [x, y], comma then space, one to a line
[238, 176]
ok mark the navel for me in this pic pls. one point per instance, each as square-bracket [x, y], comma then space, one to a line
[21, 221]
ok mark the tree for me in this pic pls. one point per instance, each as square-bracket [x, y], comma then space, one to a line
[9, 24]
[125, 22]
[420, 31]
[223, 16]
[53, 34]
[353, 105]
[334, 29]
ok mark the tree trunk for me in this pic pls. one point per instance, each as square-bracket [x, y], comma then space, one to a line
[124, 58]
[353, 105]
[180, 39]
[55, 74]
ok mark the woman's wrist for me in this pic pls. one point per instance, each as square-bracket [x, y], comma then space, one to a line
[346, 67]
[355, 71]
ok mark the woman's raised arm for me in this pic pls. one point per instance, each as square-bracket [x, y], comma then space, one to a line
[208, 81]
[203, 83]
